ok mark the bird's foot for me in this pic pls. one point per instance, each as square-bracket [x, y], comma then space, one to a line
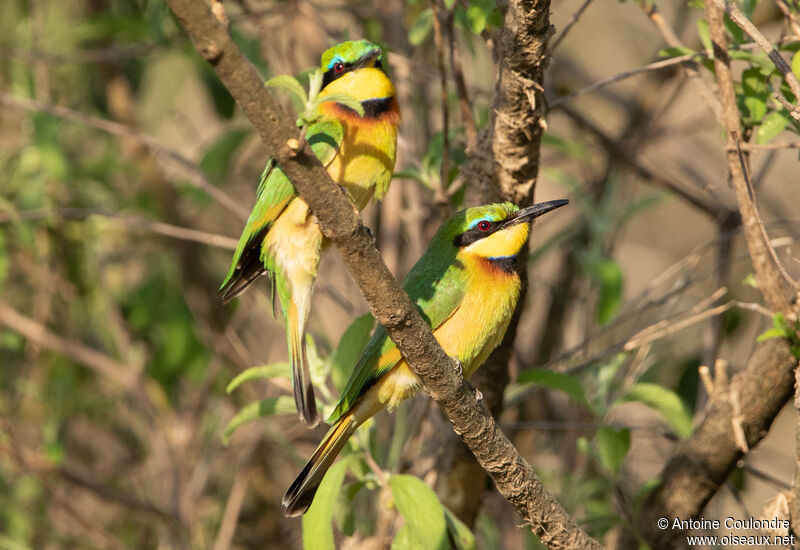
[459, 366]
[476, 391]
[460, 369]
[370, 234]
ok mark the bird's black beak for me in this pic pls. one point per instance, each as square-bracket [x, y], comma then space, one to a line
[527, 214]
[368, 59]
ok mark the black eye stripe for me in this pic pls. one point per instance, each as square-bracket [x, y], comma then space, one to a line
[330, 75]
[474, 234]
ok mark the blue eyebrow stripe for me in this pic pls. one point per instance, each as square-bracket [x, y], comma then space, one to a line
[479, 220]
[334, 61]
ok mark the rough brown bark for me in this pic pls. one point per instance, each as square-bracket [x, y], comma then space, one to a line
[703, 461]
[391, 307]
[505, 162]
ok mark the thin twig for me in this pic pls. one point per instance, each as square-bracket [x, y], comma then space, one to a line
[95, 55]
[670, 326]
[708, 203]
[441, 192]
[464, 104]
[568, 26]
[123, 375]
[747, 26]
[196, 176]
[690, 67]
[767, 146]
[131, 222]
[233, 506]
[654, 66]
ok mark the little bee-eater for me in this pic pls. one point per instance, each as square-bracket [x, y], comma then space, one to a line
[281, 236]
[466, 286]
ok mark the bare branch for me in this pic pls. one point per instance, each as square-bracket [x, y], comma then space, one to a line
[690, 67]
[654, 66]
[570, 23]
[703, 462]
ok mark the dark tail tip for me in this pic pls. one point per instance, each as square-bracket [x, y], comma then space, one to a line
[298, 498]
[306, 404]
[303, 389]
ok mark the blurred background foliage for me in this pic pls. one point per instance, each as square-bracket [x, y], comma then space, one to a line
[126, 171]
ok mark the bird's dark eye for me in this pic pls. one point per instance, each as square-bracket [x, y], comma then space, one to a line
[338, 67]
[484, 225]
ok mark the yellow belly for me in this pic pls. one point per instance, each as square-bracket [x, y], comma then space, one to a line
[470, 334]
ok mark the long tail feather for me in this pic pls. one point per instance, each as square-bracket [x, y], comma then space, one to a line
[301, 493]
[301, 374]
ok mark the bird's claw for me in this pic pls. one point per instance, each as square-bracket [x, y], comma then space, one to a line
[460, 369]
[371, 234]
[476, 391]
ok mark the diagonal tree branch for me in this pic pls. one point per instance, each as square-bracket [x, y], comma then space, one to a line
[391, 307]
[702, 463]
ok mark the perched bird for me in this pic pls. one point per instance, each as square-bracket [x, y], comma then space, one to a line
[466, 286]
[281, 236]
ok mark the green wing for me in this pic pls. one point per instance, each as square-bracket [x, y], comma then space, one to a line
[436, 284]
[274, 194]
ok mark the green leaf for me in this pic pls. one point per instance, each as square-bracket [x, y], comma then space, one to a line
[754, 88]
[704, 33]
[665, 402]
[318, 520]
[796, 63]
[421, 27]
[772, 125]
[290, 84]
[403, 539]
[607, 274]
[557, 381]
[782, 329]
[346, 100]
[733, 29]
[256, 410]
[217, 160]
[421, 509]
[281, 369]
[612, 446]
[349, 349]
[676, 52]
[478, 14]
[460, 534]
